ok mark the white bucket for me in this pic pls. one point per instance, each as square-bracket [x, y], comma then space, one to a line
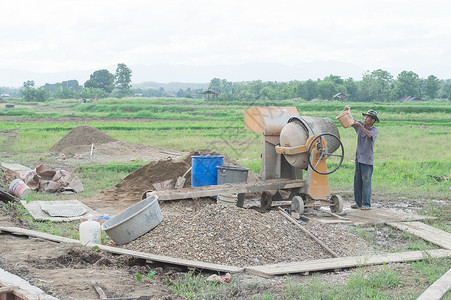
[19, 188]
[227, 198]
[345, 119]
[90, 232]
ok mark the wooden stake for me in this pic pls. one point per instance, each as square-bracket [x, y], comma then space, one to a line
[99, 290]
[293, 220]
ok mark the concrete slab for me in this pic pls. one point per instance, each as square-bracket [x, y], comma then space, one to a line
[29, 291]
[34, 208]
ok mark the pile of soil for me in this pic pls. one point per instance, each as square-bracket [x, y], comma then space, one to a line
[132, 187]
[82, 135]
[229, 235]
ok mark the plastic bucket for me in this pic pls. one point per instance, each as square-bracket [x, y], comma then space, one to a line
[227, 174]
[345, 119]
[134, 221]
[19, 188]
[227, 198]
[204, 169]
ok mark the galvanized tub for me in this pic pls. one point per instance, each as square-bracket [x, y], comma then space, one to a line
[134, 221]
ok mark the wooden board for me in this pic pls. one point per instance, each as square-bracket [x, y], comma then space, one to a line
[381, 215]
[213, 190]
[147, 256]
[269, 271]
[426, 232]
[7, 197]
[438, 289]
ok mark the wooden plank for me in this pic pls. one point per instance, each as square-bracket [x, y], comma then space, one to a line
[212, 190]
[426, 232]
[269, 271]
[438, 289]
[4, 195]
[147, 256]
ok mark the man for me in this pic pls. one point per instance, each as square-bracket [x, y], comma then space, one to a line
[366, 136]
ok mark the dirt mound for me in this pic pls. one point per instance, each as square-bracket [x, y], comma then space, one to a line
[82, 135]
[132, 187]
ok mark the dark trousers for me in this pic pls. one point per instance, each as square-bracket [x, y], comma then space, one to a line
[362, 184]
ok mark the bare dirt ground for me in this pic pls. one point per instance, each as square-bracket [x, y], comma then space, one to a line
[67, 271]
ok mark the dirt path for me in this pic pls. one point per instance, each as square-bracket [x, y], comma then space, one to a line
[51, 266]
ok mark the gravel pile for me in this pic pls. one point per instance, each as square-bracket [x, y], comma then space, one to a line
[235, 236]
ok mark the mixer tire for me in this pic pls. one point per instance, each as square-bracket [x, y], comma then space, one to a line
[297, 205]
[337, 204]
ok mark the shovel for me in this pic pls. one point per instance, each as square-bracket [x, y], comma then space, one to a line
[181, 180]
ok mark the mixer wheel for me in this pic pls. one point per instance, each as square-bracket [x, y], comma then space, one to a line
[266, 200]
[337, 204]
[297, 204]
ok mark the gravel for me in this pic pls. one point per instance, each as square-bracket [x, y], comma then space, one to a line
[228, 235]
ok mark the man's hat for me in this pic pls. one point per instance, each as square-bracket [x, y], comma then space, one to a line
[372, 114]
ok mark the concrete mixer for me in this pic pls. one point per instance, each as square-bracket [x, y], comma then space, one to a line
[291, 145]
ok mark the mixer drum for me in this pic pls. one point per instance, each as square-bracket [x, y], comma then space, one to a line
[324, 125]
[295, 133]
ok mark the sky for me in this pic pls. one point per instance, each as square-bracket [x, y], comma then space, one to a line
[67, 35]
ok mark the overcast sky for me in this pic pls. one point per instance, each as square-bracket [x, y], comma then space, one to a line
[63, 35]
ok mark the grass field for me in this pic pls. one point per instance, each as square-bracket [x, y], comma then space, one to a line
[412, 147]
[412, 160]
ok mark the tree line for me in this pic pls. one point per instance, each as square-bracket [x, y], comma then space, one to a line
[101, 84]
[378, 85]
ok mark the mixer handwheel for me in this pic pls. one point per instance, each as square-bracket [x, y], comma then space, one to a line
[322, 152]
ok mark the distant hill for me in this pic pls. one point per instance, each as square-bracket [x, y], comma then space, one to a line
[171, 86]
[147, 75]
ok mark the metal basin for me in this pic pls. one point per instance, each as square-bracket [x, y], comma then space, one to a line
[134, 221]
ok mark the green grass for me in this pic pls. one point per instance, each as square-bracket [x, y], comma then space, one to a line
[412, 146]
[195, 286]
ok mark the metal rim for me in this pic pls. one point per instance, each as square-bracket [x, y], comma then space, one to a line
[324, 153]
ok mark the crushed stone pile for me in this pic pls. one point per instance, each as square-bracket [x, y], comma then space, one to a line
[132, 187]
[225, 234]
[80, 137]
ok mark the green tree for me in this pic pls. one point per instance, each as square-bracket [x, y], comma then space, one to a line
[407, 84]
[123, 80]
[101, 79]
[310, 90]
[352, 89]
[93, 93]
[445, 92]
[28, 84]
[431, 87]
[30, 94]
[327, 89]
[376, 85]
[65, 93]
[215, 84]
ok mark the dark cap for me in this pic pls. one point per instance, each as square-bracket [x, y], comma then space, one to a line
[372, 114]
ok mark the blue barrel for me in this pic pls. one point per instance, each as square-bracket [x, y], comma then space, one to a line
[204, 169]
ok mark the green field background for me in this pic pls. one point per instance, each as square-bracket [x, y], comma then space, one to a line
[413, 144]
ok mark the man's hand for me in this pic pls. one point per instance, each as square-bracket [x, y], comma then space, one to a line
[347, 107]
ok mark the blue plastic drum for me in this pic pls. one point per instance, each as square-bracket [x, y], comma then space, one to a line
[204, 169]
